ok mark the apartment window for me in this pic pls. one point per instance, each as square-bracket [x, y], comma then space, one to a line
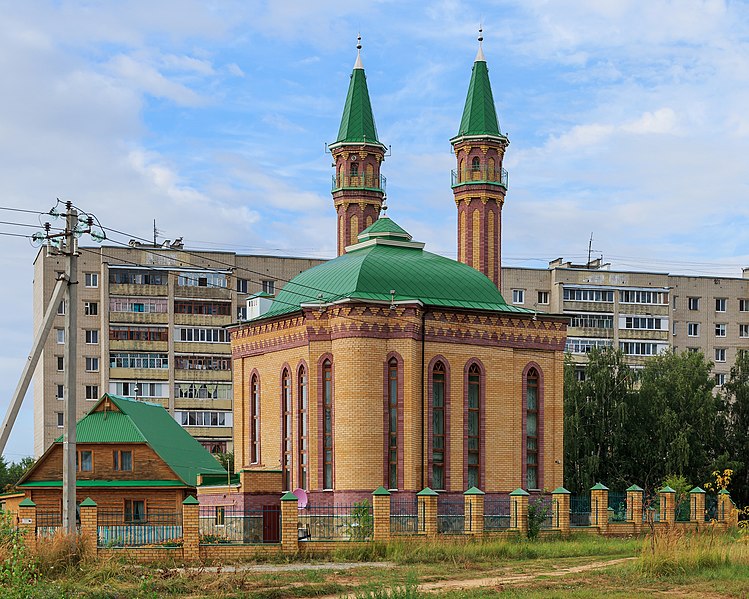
[242, 285]
[473, 440]
[242, 313]
[720, 329]
[92, 392]
[693, 329]
[327, 374]
[720, 379]
[202, 335]
[269, 286]
[201, 279]
[199, 390]
[286, 432]
[138, 333]
[693, 350]
[642, 323]
[91, 279]
[203, 418]
[60, 419]
[135, 510]
[582, 345]
[60, 363]
[693, 303]
[61, 308]
[588, 295]
[92, 336]
[198, 362]
[744, 330]
[60, 393]
[720, 304]
[720, 354]
[673, 299]
[638, 348]
[91, 308]
[92, 364]
[206, 308]
[122, 460]
[592, 321]
[634, 296]
[255, 419]
[518, 296]
[85, 460]
[142, 360]
[60, 334]
[673, 328]
[543, 297]
[531, 429]
[439, 447]
[744, 305]
[137, 277]
[303, 427]
[136, 304]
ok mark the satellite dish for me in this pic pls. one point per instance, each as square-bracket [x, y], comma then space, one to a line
[301, 496]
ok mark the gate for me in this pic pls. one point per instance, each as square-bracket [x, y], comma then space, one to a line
[272, 523]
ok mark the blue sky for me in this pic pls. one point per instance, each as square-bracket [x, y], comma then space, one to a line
[627, 120]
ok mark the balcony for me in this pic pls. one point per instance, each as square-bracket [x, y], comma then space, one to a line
[367, 182]
[480, 175]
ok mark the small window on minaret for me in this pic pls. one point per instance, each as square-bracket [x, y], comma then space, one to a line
[475, 164]
[355, 169]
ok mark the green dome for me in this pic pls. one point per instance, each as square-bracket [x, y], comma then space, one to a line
[385, 260]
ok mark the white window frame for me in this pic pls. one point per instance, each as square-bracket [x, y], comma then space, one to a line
[518, 296]
[60, 336]
[92, 336]
[87, 308]
[743, 330]
[60, 419]
[693, 303]
[91, 392]
[543, 298]
[720, 329]
[92, 363]
[721, 304]
[720, 379]
[720, 354]
[91, 280]
[693, 329]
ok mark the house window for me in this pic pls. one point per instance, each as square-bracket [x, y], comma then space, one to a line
[693, 329]
[543, 297]
[92, 392]
[61, 308]
[92, 364]
[720, 354]
[85, 460]
[269, 286]
[254, 419]
[220, 515]
[242, 313]
[303, 428]
[242, 285]
[720, 379]
[693, 303]
[91, 279]
[392, 439]
[135, 510]
[92, 337]
[60, 393]
[91, 308]
[287, 429]
[744, 330]
[744, 305]
[439, 447]
[720, 329]
[60, 363]
[518, 296]
[327, 378]
[720, 304]
[60, 419]
[60, 334]
[473, 437]
[531, 429]
[122, 460]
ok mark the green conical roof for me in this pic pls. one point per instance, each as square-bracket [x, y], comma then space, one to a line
[479, 114]
[357, 122]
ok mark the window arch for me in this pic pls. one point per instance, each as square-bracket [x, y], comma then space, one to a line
[354, 169]
[475, 164]
[439, 433]
[255, 419]
[303, 426]
[532, 428]
[473, 426]
[327, 424]
[287, 430]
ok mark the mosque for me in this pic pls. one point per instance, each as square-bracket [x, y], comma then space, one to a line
[393, 366]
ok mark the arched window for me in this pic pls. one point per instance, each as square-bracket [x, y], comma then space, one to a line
[327, 396]
[475, 164]
[392, 438]
[287, 429]
[254, 419]
[303, 442]
[354, 169]
[473, 436]
[532, 404]
[439, 441]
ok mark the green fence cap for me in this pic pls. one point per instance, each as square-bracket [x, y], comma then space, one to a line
[519, 492]
[667, 489]
[723, 492]
[380, 491]
[599, 487]
[560, 491]
[289, 496]
[474, 491]
[426, 492]
[635, 488]
[27, 503]
[697, 490]
[191, 501]
[88, 502]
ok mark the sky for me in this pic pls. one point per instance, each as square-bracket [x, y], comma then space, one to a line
[627, 120]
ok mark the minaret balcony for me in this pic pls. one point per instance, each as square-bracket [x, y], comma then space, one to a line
[481, 174]
[366, 182]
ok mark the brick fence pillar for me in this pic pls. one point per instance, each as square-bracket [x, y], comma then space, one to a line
[519, 511]
[668, 504]
[634, 507]
[473, 513]
[27, 521]
[697, 506]
[427, 504]
[381, 514]
[90, 521]
[599, 507]
[191, 529]
[561, 505]
[289, 523]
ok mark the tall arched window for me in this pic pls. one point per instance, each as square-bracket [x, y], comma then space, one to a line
[287, 432]
[354, 169]
[303, 427]
[254, 419]
[392, 442]
[531, 429]
[327, 384]
[475, 164]
[439, 445]
[473, 442]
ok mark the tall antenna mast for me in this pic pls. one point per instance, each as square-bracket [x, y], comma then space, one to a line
[590, 247]
[156, 231]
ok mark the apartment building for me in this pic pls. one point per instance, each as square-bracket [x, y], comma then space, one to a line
[642, 313]
[151, 327]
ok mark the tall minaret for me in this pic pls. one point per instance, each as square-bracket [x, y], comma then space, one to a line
[480, 183]
[358, 188]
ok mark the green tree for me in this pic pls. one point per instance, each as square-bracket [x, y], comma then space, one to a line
[11, 473]
[736, 412]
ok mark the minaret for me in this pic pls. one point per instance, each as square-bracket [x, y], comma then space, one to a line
[480, 183]
[358, 187]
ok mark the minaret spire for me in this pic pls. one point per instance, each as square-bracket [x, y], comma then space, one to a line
[480, 54]
[358, 64]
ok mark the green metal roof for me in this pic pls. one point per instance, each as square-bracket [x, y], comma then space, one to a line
[479, 113]
[371, 269]
[384, 227]
[150, 423]
[109, 484]
[357, 122]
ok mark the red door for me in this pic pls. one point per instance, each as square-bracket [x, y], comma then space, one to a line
[272, 523]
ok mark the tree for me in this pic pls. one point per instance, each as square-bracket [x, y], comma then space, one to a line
[11, 473]
[736, 405]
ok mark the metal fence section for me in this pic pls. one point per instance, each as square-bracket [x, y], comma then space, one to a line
[406, 516]
[651, 508]
[218, 524]
[337, 522]
[497, 512]
[618, 511]
[548, 507]
[47, 523]
[118, 529]
[683, 510]
[583, 511]
[451, 516]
